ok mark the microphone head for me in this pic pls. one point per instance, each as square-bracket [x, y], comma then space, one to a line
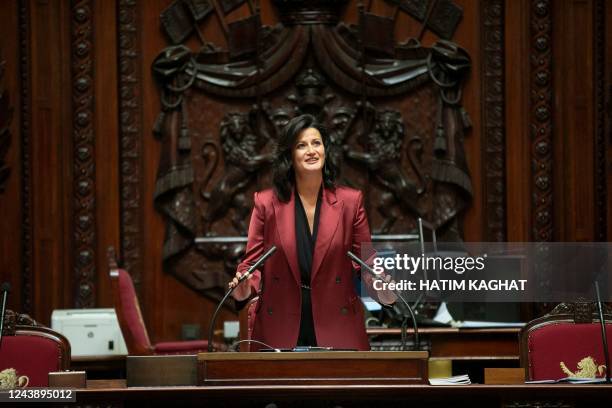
[6, 287]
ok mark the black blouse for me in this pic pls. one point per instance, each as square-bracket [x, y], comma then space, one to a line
[305, 242]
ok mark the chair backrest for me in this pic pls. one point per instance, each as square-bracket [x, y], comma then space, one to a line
[246, 317]
[127, 308]
[565, 343]
[32, 351]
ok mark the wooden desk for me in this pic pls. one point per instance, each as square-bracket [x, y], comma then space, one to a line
[471, 350]
[116, 395]
[325, 367]
[100, 367]
[461, 344]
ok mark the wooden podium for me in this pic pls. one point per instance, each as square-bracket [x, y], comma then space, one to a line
[301, 368]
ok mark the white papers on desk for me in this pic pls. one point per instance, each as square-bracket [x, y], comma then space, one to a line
[444, 316]
[456, 380]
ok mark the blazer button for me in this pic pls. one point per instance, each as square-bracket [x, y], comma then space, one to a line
[338, 280]
[344, 310]
[269, 310]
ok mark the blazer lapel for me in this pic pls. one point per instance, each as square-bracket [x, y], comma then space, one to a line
[331, 212]
[285, 226]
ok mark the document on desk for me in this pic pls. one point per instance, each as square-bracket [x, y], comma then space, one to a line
[456, 380]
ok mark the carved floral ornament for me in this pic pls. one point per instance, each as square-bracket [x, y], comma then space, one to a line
[354, 78]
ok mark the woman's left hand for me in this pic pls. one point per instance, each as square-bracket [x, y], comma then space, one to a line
[387, 296]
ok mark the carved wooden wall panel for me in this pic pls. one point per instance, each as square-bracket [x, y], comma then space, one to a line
[10, 261]
[27, 278]
[131, 136]
[541, 122]
[402, 143]
[83, 147]
[493, 133]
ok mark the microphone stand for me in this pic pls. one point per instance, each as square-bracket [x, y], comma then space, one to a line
[6, 288]
[248, 272]
[604, 337]
[399, 295]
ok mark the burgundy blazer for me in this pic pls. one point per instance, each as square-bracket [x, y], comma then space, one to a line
[336, 308]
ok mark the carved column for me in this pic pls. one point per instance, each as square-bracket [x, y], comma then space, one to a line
[27, 276]
[541, 119]
[130, 138]
[493, 121]
[84, 220]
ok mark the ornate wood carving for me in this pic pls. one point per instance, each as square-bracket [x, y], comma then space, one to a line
[130, 107]
[601, 193]
[541, 128]
[408, 141]
[309, 12]
[493, 120]
[582, 311]
[541, 119]
[6, 114]
[12, 319]
[26, 162]
[84, 220]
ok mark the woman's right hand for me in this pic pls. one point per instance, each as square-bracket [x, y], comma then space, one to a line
[243, 290]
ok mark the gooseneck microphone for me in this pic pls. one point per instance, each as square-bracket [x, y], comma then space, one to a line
[6, 288]
[604, 337]
[244, 276]
[397, 293]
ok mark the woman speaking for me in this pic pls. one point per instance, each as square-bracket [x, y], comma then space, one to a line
[306, 291]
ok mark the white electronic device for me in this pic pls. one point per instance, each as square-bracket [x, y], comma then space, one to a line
[91, 332]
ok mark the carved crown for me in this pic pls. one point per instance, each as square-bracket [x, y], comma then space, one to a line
[310, 11]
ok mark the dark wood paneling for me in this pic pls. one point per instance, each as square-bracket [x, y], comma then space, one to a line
[107, 141]
[518, 140]
[10, 219]
[574, 121]
[51, 157]
[607, 89]
[601, 142]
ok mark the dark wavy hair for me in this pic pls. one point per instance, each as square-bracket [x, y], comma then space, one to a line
[283, 177]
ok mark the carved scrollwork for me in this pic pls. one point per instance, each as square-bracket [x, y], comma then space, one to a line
[130, 106]
[13, 319]
[84, 239]
[397, 122]
[582, 311]
[27, 278]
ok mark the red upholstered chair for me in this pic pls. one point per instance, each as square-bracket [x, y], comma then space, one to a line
[32, 350]
[565, 343]
[132, 324]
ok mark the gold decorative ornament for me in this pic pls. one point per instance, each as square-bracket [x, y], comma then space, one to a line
[586, 368]
[9, 379]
